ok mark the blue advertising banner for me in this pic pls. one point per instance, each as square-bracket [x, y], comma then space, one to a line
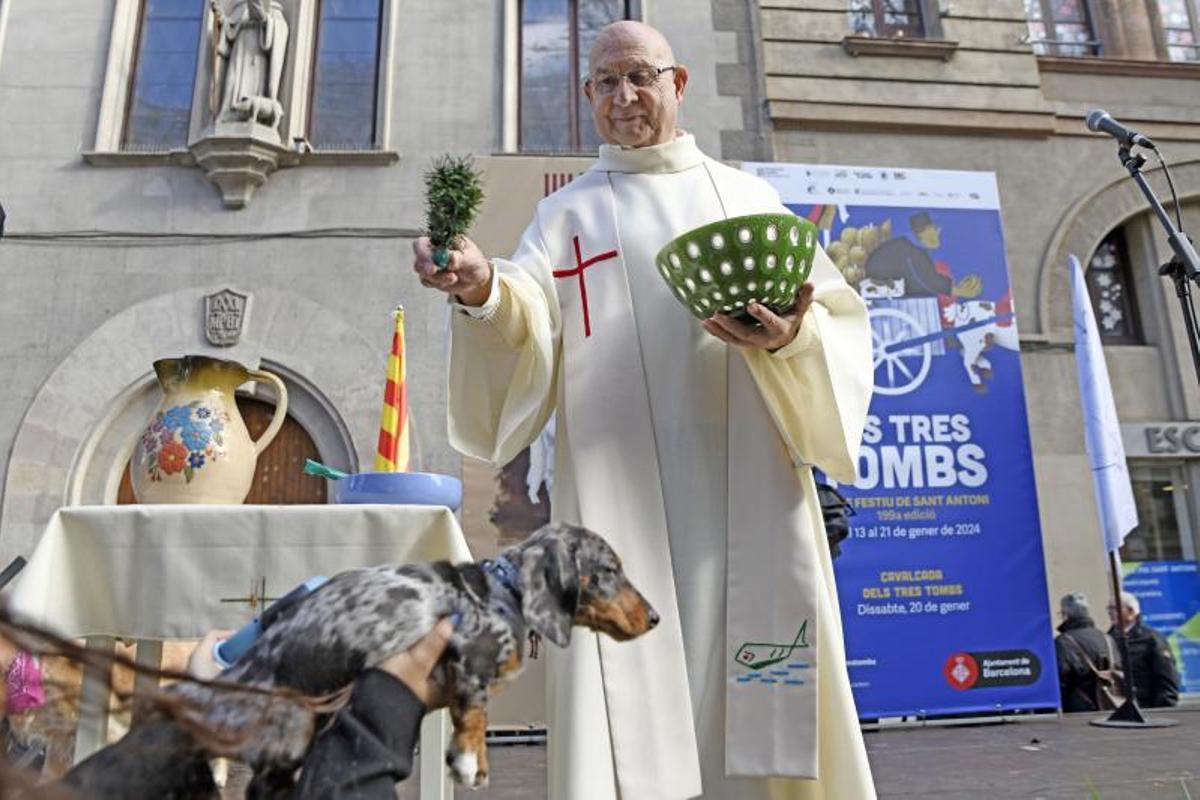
[1169, 592]
[942, 585]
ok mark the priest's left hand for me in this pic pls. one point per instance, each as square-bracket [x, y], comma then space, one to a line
[773, 331]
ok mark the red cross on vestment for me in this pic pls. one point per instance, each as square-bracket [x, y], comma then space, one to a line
[580, 266]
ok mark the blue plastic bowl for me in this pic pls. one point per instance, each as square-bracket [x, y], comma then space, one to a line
[400, 488]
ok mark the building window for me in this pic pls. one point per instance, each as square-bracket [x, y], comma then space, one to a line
[345, 84]
[895, 18]
[1163, 532]
[1061, 28]
[1110, 284]
[160, 95]
[555, 38]
[1181, 28]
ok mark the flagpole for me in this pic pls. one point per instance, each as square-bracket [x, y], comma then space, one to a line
[1129, 715]
[1110, 475]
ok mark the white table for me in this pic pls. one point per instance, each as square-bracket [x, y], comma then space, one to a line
[151, 573]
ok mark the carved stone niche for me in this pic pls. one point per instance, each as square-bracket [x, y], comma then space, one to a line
[243, 145]
[250, 98]
[238, 158]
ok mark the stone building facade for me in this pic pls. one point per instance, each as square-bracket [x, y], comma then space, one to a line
[123, 218]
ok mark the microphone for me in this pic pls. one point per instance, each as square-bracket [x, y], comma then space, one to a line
[1101, 121]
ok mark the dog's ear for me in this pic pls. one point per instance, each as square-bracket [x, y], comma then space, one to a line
[550, 590]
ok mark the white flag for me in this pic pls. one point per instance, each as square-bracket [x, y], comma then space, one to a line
[1106, 452]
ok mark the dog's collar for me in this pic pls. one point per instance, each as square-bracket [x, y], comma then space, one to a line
[506, 575]
[505, 572]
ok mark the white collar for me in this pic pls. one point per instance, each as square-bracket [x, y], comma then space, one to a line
[674, 156]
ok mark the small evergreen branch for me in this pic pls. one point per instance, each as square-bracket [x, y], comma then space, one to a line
[453, 194]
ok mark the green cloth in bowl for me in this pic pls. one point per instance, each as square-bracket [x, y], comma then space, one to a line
[722, 267]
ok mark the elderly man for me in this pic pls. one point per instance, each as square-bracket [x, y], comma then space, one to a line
[1155, 678]
[688, 446]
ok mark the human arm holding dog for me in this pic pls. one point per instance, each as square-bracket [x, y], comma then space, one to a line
[368, 746]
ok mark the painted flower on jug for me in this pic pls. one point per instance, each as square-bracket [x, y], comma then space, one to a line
[171, 458]
[182, 439]
[195, 438]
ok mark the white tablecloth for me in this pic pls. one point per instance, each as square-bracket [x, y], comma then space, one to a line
[162, 572]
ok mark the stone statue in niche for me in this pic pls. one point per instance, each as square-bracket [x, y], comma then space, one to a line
[251, 44]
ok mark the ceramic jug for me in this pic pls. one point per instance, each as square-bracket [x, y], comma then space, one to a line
[196, 448]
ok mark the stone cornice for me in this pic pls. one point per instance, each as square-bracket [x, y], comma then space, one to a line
[940, 49]
[1096, 65]
[863, 117]
[182, 158]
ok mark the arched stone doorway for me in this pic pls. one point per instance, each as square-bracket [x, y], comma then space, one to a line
[1083, 227]
[78, 433]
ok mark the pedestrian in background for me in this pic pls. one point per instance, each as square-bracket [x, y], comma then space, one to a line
[1086, 659]
[1155, 678]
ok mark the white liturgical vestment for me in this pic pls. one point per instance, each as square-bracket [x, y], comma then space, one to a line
[693, 458]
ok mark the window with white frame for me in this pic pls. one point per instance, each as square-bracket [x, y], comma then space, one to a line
[159, 87]
[555, 37]
[345, 82]
[164, 75]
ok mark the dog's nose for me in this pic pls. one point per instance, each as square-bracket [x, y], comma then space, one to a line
[652, 617]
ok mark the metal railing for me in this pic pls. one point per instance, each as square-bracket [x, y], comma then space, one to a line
[1054, 47]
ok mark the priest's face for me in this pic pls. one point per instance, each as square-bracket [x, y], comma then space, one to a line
[634, 86]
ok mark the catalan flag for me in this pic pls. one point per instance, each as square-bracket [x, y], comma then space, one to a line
[392, 453]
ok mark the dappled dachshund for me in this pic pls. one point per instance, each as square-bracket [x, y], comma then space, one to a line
[561, 576]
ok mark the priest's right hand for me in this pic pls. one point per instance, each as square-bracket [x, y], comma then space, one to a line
[468, 276]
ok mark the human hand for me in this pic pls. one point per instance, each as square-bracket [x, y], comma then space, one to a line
[201, 663]
[776, 330]
[468, 276]
[414, 666]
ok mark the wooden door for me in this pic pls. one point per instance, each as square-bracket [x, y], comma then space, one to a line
[279, 478]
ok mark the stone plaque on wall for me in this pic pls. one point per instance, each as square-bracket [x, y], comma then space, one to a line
[224, 315]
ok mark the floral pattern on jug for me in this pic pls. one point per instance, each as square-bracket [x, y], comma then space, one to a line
[195, 448]
[183, 439]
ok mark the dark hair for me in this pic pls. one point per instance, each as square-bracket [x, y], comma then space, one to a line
[189, 714]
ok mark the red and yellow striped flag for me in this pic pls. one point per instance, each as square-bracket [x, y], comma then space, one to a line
[392, 453]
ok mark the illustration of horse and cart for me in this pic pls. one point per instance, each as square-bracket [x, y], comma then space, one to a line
[906, 333]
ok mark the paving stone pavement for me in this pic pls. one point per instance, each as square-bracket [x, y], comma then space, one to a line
[1065, 759]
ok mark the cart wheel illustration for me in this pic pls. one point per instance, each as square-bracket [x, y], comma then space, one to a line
[898, 369]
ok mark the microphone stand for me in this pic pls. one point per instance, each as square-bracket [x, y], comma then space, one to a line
[1181, 269]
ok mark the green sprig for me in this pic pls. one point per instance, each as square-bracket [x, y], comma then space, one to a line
[453, 194]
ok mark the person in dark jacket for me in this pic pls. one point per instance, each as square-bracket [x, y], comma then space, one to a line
[1082, 649]
[368, 747]
[1155, 678]
[901, 259]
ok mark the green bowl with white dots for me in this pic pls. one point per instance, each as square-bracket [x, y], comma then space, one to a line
[722, 267]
